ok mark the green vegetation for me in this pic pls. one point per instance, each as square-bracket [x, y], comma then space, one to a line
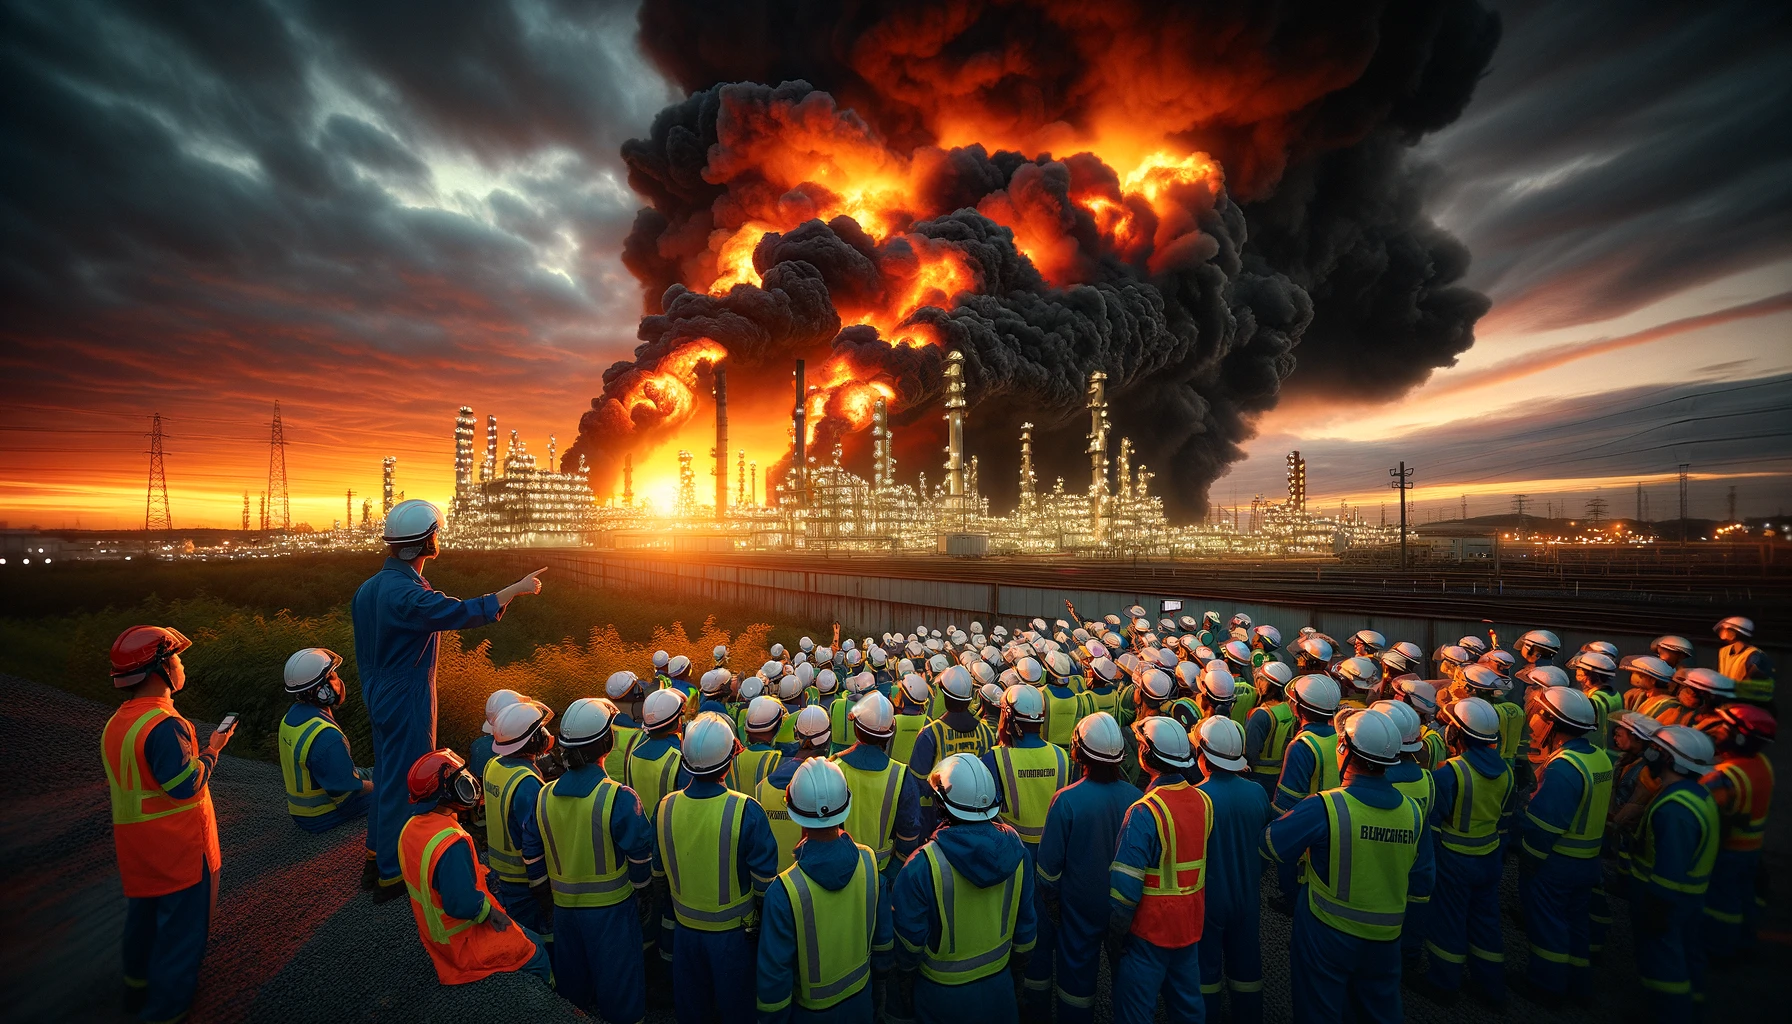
[245, 618]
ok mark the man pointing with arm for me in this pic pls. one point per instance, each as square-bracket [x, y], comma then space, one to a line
[397, 615]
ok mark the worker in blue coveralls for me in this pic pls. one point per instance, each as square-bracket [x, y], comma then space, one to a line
[1309, 763]
[1473, 789]
[716, 855]
[1082, 829]
[1361, 844]
[1231, 952]
[324, 789]
[886, 812]
[1029, 772]
[825, 940]
[512, 786]
[397, 615]
[977, 868]
[598, 850]
[1157, 885]
[1564, 835]
[1670, 869]
[1414, 781]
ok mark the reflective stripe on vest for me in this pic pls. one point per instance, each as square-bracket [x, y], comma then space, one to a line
[1585, 836]
[871, 816]
[788, 833]
[1243, 705]
[948, 741]
[439, 930]
[976, 925]
[1511, 728]
[1030, 777]
[834, 929]
[1421, 791]
[1658, 705]
[1372, 850]
[1061, 716]
[136, 795]
[500, 850]
[1436, 752]
[653, 777]
[1751, 688]
[1325, 761]
[576, 833]
[1642, 859]
[1275, 743]
[700, 846]
[1472, 826]
[461, 952]
[162, 841]
[1100, 701]
[902, 745]
[1751, 780]
[750, 768]
[622, 749]
[1172, 908]
[304, 797]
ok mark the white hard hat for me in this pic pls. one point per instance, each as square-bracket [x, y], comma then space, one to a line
[660, 658]
[1500, 661]
[1059, 664]
[1188, 675]
[1649, 665]
[661, 707]
[1474, 716]
[1691, 750]
[1480, 677]
[956, 681]
[1406, 720]
[586, 721]
[1710, 681]
[967, 789]
[827, 681]
[1098, 736]
[621, 684]
[1316, 693]
[1605, 647]
[790, 687]
[750, 687]
[1370, 639]
[800, 659]
[1670, 642]
[1639, 724]
[1542, 638]
[1568, 706]
[1395, 661]
[860, 683]
[678, 667]
[1104, 669]
[1544, 675]
[720, 653]
[1165, 658]
[1361, 673]
[1030, 671]
[1156, 685]
[764, 713]
[1473, 645]
[1420, 694]
[1236, 652]
[1453, 654]
[498, 701]
[991, 694]
[824, 654]
[309, 668]
[874, 716]
[1413, 653]
[1222, 743]
[915, 689]
[517, 723]
[1024, 703]
[777, 651]
[933, 645]
[1594, 663]
[813, 725]
[817, 796]
[854, 659]
[1166, 739]
[1277, 673]
[1371, 736]
[805, 645]
[411, 522]
[938, 663]
[709, 743]
[1218, 683]
[904, 667]
[804, 672]
[1314, 647]
[982, 673]
[772, 669]
[1269, 635]
[715, 680]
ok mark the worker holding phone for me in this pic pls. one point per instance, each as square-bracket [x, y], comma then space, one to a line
[397, 616]
[163, 826]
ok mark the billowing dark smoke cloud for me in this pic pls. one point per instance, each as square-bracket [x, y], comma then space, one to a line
[1194, 302]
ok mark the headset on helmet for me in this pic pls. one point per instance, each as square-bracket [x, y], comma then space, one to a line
[309, 676]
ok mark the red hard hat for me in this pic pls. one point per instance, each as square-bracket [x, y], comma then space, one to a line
[433, 775]
[140, 649]
[1749, 720]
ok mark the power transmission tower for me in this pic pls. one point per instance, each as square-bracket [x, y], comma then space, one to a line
[1684, 466]
[155, 508]
[1518, 503]
[1402, 482]
[1732, 504]
[1639, 501]
[279, 505]
[1595, 510]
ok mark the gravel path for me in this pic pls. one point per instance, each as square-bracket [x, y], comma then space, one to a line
[294, 940]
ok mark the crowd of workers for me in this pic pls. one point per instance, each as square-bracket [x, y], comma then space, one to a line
[955, 824]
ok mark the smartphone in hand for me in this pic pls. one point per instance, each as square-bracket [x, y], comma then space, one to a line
[228, 722]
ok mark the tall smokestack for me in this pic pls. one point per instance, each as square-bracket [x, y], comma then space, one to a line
[740, 478]
[1123, 469]
[721, 453]
[1297, 482]
[553, 457]
[955, 426]
[463, 454]
[1098, 454]
[799, 445]
[1028, 481]
[628, 481]
[882, 472]
[490, 468]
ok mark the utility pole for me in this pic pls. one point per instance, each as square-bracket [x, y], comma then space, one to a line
[1732, 504]
[1639, 501]
[155, 509]
[1402, 482]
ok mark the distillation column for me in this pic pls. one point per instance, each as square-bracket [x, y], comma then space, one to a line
[1098, 455]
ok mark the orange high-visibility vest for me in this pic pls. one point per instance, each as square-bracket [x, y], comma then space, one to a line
[463, 951]
[1744, 820]
[162, 842]
[1174, 905]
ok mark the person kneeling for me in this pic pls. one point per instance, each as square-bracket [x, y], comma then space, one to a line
[324, 789]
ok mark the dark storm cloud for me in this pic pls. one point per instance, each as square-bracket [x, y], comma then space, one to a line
[1617, 153]
[266, 169]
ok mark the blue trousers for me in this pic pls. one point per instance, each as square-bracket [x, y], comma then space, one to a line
[538, 965]
[1078, 964]
[1412, 929]
[164, 941]
[597, 959]
[1334, 972]
[1672, 963]
[1463, 922]
[519, 902]
[1556, 902]
[1146, 971]
[1731, 904]
[986, 1001]
[857, 1008]
[713, 976]
[1232, 957]
[395, 749]
[1038, 979]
